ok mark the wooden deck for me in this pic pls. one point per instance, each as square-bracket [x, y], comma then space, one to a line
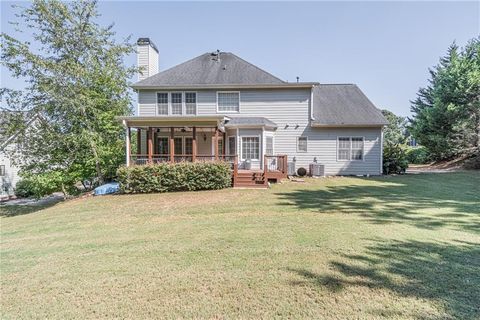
[275, 169]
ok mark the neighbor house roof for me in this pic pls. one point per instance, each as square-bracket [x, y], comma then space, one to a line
[219, 69]
[344, 105]
[236, 122]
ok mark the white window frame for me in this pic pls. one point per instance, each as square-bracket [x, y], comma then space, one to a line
[185, 103]
[169, 105]
[239, 102]
[350, 138]
[298, 140]
[156, 104]
[259, 147]
[170, 109]
[3, 170]
[273, 143]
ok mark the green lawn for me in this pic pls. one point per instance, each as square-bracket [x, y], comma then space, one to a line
[389, 247]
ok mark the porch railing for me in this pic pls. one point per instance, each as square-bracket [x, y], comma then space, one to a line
[143, 159]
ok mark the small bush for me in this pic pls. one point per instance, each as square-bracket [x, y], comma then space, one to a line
[418, 155]
[44, 184]
[183, 176]
[394, 159]
[24, 189]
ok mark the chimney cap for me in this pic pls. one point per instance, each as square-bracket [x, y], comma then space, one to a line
[144, 41]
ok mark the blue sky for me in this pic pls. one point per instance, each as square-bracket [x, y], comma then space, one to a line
[384, 47]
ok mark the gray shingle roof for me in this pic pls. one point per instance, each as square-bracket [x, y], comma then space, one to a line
[250, 121]
[344, 104]
[208, 69]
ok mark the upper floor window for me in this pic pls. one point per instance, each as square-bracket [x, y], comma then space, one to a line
[177, 103]
[2, 170]
[350, 148]
[228, 101]
[162, 103]
[190, 102]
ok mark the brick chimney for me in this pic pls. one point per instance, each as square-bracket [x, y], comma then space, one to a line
[147, 58]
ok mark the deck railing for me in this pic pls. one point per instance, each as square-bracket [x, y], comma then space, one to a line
[276, 163]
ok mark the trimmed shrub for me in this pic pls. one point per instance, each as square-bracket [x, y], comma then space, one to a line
[418, 155]
[394, 159]
[182, 176]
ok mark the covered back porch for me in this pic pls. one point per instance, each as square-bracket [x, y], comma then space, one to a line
[177, 139]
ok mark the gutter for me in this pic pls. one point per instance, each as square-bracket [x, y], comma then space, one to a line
[346, 125]
[304, 85]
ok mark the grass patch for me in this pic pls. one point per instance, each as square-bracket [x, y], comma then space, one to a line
[387, 247]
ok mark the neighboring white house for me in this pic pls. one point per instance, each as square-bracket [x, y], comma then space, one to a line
[8, 172]
[251, 114]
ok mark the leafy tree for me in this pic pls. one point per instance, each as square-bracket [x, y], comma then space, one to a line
[395, 131]
[394, 144]
[76, 85]
[447, 112]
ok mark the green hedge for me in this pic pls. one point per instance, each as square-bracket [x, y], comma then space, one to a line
[418, 155]
[182, 176]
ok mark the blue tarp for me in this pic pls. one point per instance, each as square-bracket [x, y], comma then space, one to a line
[108, 188]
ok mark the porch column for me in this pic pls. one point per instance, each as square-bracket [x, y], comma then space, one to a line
[224, 145]
[139, 141]
[216, 143]
[172, 144]
[194, 144]
[127, 145]
[150, 144]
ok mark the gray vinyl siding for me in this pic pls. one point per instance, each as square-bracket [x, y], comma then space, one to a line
[290, 110]
[322, 145]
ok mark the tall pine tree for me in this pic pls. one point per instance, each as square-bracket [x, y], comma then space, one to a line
[447, 112]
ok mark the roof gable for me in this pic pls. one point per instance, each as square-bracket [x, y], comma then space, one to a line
[222, 68]
[344, 105]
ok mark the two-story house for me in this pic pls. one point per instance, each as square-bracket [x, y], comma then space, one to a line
[219, 106]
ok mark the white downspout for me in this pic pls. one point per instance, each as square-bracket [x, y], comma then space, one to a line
[381, 152]
[311, 104]
[127, 144]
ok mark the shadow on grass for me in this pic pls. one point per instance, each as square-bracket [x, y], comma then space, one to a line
[419, 200]
[12, 210]
[443, 272]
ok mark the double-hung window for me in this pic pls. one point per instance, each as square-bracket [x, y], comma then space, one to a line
[250, 148]
[2, 170]
[269, 146]
[190, 102]
[350, 148]
[176, 103]
[228, 101]
[162, 103]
